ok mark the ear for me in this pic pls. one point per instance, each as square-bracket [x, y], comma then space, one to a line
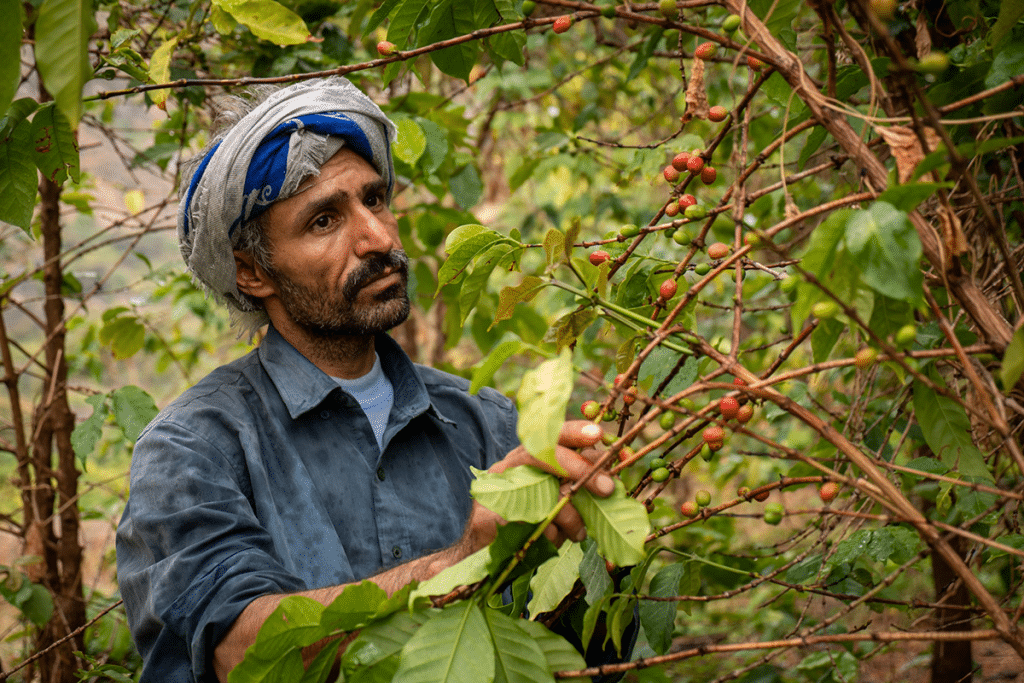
[251, 278]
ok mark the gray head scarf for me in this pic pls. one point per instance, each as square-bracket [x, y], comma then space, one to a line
[263, 159]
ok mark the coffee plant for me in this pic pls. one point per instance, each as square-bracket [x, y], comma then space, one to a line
[773, 248]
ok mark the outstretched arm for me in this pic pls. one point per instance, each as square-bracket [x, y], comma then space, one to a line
[575, 440]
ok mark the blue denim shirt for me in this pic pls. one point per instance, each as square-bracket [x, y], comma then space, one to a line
[265, 477]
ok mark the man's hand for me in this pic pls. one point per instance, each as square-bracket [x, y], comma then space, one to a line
[575, 455]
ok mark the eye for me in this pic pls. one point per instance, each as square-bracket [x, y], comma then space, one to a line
[322, 222]
[374, 200]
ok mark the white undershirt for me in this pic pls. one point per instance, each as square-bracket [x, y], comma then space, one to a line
[374, 393]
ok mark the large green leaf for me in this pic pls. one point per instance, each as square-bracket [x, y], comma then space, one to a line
[543, 398]
[947, 431]
[268, 20]
[449, 19]
[56, 151]
[453, 647]
[133, 409]
[887, 250]
[10, 51]
[618, 523]
[411, 141]
[555, 578]
[519, 494]
[17, 172]
[517, 657]
[62, 31]
[463, 245]
[403, 22]
[369, 654]
[87, 432]
[500, 254]
[484, 371]
[464, 573]
[659, 617]
[277, 653]
[558, 652]
[355, 606]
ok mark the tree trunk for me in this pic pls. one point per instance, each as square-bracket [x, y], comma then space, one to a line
[53, 492]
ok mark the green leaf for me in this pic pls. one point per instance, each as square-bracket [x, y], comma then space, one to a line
[594, 573]
[56, 151]
[268, 20]
[559, 653]
[1013, 361]
[500, 254]
[464, 573]
[519, 494]
[484, 371]
[411, 141]
[133, 409]
[510, 296]
[555, 578]
[543, 397]
[907, 197]
[379, 642]
[554, 246]
[160, 67]
[449, 19]
[62, 31]
[379, 15]
[659, 618]
[517, 657]
[892, 542]
[889, 315]
[403, 21]
[276, 655]
[87, 432]
[10, 51]
[453, 647]
[355, 606]
[437, 146]
[947, 431]
[887, 250]
[509, 543]
[567, 329]
[124, 335]
[644, 54]
[618, 523]
[1008, 63]
[223, 23]
[1010, 12]
[17, 174]
[466, 186]
[463, 248]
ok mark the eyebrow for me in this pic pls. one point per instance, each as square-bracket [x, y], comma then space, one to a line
[378, 186]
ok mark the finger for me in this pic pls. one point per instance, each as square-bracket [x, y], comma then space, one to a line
[569, 522]
[554, 534]
[576, 466]
[579, 434]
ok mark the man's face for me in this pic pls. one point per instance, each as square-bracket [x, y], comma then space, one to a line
[338, 267]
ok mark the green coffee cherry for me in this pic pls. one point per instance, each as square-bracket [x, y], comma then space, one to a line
[657, 463]
[659, 475]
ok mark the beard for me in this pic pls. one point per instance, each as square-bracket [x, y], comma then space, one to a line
[324, 312]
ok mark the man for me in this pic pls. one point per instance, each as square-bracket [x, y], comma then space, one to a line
[325, 455]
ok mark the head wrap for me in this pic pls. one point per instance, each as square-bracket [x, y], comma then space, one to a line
[264, 158]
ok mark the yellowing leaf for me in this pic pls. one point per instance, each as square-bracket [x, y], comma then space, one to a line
[268, 20]
[135, 201]
[543, 397]
[160, 68]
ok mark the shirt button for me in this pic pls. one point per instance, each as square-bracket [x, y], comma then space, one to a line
[325, 414]
[397, 552]
[380, 473]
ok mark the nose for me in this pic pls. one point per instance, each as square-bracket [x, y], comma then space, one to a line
[378, 232]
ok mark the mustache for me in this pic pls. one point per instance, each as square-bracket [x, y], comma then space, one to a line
[372, 268]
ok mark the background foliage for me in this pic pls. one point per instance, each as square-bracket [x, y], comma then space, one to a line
[851, 273]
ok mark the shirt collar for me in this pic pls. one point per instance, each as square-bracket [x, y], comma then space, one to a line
[303, 386]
